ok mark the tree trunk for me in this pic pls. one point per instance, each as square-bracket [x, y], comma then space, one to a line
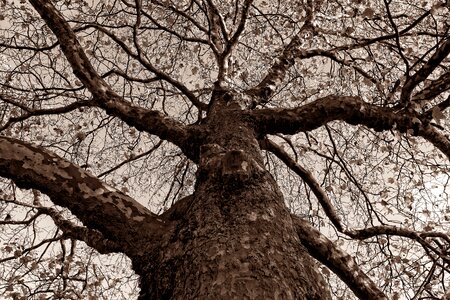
[234, 237]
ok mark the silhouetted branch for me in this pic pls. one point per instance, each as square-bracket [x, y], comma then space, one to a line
[308, 178]
[351, 110]
[338, 261]
[97, 205]
[441, 53]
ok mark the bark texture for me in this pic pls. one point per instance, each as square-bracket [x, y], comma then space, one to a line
[233, 238]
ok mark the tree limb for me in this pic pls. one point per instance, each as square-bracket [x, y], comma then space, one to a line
[160, 74]
[278, 70]
[351, 110]
[422, 74]
[362, 234]
[150, 121]
[418, 236]
[341, 263]
[275, 75]
[308, 178]
[434, 88]
[30, 112]
[100, 207]
[244, 15]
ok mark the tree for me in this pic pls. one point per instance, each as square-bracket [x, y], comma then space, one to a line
[228, 149]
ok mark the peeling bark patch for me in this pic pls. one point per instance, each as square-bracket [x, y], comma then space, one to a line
[265, 217]
[252, 216]
[226, 249]
[139, 218]
[337, 260]
[245, 242]
[96, 204]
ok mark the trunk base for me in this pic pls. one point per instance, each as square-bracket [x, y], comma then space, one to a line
[233, 244]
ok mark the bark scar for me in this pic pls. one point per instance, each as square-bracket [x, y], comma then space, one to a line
[234, 161]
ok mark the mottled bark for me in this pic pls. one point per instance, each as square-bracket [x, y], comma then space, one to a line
[352, 110]
[117, 216]
[341, 263]
[151, 121]
[233, 238]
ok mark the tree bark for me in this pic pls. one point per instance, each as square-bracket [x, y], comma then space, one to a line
[234, 237]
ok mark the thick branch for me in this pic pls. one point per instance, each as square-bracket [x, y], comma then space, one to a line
[439, 140]
[443, 105]
[71, 48]
[217, 29]
[349, 109]
[92, 238]
[277, 72]
[143, 119]
[434, 88]
[275, 75]
[420, 237]
[155, 122]
[341, 263]
[422, 74]
[117, 216]
[308, 178]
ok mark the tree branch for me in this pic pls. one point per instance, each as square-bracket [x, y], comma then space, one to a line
[420, 237]
[96, 204]
[133, 158]
[243, 20]
[275, 75]
[143, 119]
[308, 178]
[30, 112]
[160, 74]
[92, 238]
[341, 263]
[434, 88]
[351, 110]
[422, 74]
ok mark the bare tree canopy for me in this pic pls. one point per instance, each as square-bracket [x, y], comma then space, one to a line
[224, 149]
